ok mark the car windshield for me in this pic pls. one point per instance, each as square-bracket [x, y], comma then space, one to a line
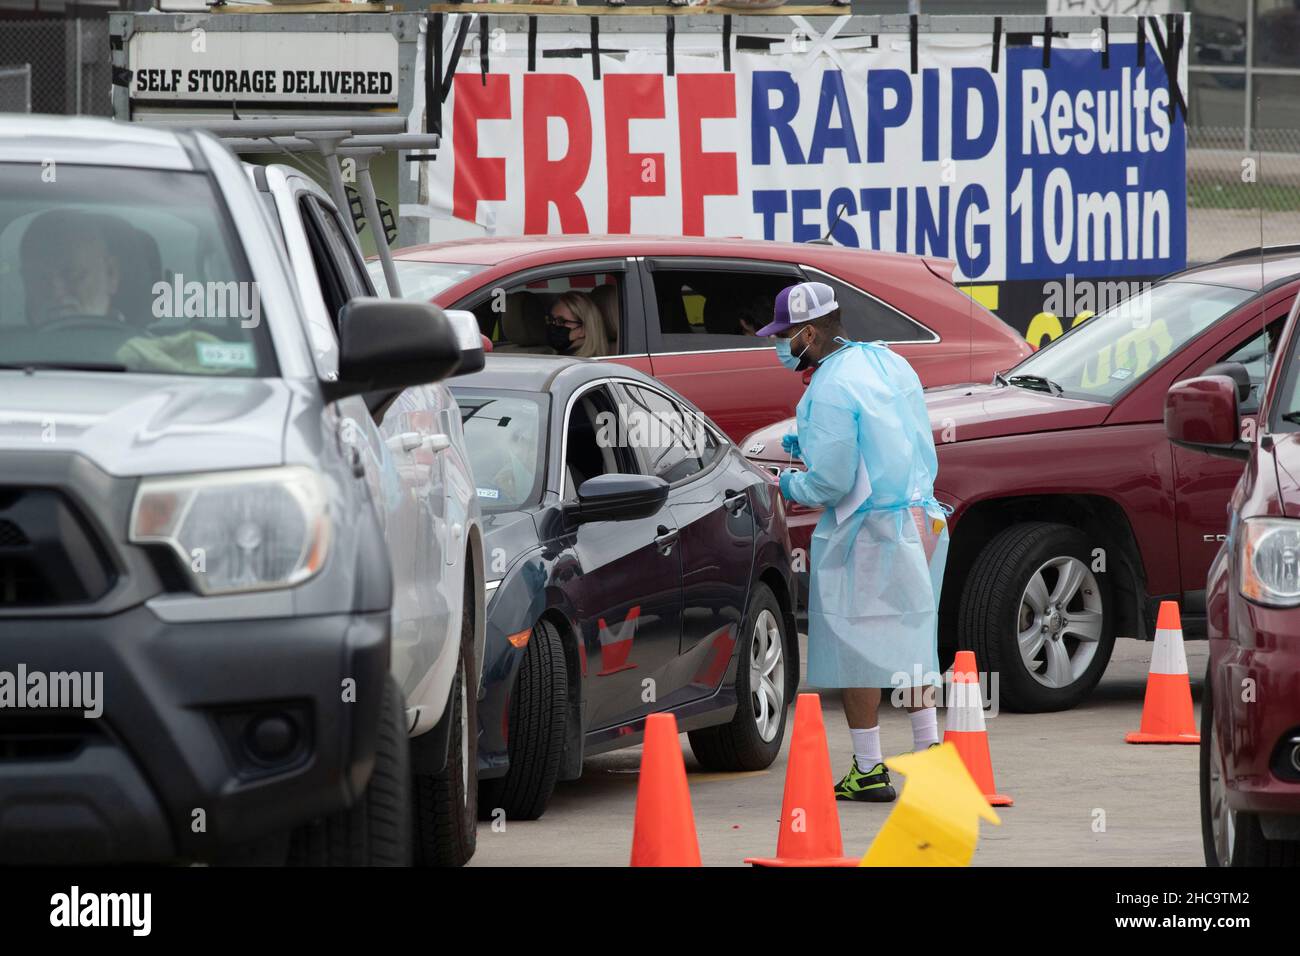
[1105, 354]
[423, 281]
[1285, 412]
[127, 270]
[503, 438]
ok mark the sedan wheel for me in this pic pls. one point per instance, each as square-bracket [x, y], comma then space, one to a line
[1060, 622]
[751, 738]
[767, 675]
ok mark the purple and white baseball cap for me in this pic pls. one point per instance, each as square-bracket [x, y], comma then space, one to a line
[800, 303]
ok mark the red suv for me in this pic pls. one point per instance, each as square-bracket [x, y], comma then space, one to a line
[685, 309]
[1073, 514]
[1250, 713]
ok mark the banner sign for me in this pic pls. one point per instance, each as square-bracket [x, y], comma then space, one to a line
[207, 66]
[1024, 166]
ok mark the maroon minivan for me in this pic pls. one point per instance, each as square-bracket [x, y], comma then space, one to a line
[1250, 712]
[1073, 513]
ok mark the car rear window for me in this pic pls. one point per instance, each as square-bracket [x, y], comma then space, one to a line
[868, 319]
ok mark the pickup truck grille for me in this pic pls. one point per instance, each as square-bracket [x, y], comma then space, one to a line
[49, 554]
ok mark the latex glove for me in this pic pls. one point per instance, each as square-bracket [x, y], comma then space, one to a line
[790, 445]
[786, 476]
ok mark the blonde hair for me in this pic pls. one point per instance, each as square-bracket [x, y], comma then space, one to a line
[596, 342]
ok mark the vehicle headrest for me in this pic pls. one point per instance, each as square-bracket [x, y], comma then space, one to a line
[606, 299]
[523, 323]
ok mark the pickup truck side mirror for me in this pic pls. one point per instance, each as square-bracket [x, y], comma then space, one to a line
[465, 325]
[1201, 414]
[618, 498]
[392, 343]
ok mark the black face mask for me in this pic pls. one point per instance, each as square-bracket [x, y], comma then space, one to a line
[557, 337]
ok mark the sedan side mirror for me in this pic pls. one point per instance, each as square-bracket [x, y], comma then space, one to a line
[618, 498]
[391, 344]
[1201, 414]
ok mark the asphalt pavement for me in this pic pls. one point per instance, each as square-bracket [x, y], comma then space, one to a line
[1083, 797]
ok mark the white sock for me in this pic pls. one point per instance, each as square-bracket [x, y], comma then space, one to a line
[925, 728]
[866, 747]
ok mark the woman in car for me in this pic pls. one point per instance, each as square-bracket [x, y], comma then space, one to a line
[574, 326]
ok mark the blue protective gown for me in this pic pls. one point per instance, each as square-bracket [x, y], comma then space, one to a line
[873, 608]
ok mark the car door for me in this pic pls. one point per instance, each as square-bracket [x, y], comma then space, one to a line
[627, 592]
[710, 503]
[701, 314]
[1203, 483]
[401, 469]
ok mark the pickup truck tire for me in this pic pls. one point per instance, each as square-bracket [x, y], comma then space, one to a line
[446, 803]
[1231, 837]
[739, 744]
[998, 608]
[536, 743]
[376, 830]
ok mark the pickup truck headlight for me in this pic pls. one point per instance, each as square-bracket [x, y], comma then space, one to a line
[238, 530]
[1268, 553]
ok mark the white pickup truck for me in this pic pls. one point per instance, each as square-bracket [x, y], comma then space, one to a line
[237, 505]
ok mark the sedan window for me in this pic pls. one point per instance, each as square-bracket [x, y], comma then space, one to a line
[674, 442]
[578, 315]
[705, 309]
[868, 319]
[595, 443]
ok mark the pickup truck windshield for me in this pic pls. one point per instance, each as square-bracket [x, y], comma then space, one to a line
[1108, 353]
[129, 270]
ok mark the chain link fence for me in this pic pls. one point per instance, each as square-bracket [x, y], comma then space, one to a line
[65, 63]
[1239, 198]
[16, 89]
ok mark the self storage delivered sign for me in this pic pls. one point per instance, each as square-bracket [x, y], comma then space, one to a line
[207, 66]
[1068, 162]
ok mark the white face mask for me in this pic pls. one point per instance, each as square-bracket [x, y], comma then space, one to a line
[786, 357]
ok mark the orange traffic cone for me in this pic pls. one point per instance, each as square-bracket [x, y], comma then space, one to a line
[1167, 711]
[810, 824]
[965, 727]
[664, 832]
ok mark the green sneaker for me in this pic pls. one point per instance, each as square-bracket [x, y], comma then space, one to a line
[870, 787]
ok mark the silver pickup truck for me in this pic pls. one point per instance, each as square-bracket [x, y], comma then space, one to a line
[241, 571]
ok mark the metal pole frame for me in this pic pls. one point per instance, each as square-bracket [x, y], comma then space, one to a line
[359, 138]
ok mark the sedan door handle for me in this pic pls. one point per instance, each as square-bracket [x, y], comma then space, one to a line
[665, 540]
[735, 501]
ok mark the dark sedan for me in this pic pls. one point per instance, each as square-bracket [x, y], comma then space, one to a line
[637, 564]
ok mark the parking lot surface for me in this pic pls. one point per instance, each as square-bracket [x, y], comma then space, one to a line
[1083, 796]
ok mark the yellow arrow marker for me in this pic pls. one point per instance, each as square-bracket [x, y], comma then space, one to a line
[936, 819]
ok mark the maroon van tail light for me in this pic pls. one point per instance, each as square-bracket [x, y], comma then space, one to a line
[1202, 413]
